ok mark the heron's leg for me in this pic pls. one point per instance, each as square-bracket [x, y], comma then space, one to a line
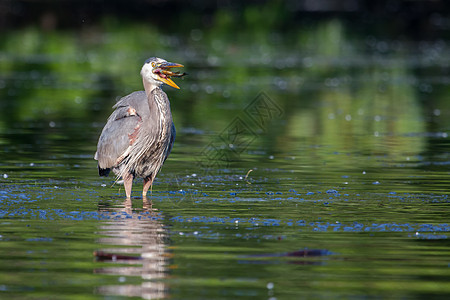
[148, 183]
[127, 184]
[147, 204]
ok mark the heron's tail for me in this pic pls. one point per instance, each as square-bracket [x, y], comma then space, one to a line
[103, 172]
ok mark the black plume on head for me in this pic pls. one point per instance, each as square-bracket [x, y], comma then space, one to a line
[150, 60]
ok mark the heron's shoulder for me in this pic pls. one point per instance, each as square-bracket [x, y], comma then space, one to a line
[131, 98]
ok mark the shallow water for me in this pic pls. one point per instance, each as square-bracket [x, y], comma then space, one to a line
[281, 232]
[327, 180]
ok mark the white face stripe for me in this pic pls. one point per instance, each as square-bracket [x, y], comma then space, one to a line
[147, 71]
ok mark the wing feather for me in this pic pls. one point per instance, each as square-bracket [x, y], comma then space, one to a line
[119, 132]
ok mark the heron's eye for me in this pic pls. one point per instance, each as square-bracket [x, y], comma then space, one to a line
[153, 64]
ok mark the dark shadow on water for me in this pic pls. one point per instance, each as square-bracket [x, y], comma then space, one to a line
[134, 243]
[298, 257]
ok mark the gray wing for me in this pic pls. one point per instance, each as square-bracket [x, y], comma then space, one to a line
[120, 131]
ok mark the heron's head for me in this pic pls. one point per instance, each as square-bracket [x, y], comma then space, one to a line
[156, 71]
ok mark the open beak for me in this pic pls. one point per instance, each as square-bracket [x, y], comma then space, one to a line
[164, 73]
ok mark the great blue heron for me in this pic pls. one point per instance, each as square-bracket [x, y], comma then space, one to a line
[139, 134]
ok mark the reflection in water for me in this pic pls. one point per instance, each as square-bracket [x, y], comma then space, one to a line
[143, 254]
[299, 257]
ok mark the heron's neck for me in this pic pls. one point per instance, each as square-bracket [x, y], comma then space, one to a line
[149, 87]
[158, 104]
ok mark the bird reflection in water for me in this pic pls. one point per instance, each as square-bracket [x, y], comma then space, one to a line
[143, 254]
